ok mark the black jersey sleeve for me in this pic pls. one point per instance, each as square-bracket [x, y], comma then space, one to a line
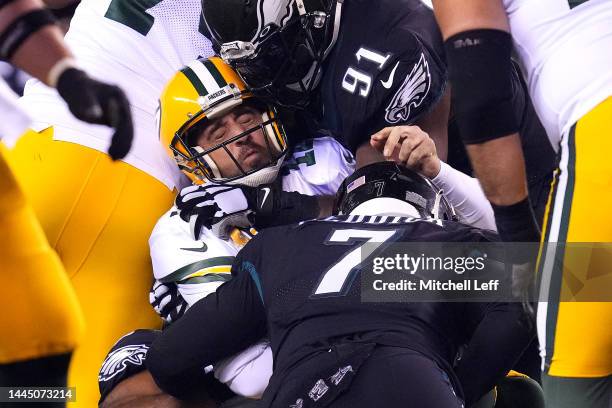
[216, 327]
[501, 331]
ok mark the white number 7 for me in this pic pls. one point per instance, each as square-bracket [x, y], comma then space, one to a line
[336, 279]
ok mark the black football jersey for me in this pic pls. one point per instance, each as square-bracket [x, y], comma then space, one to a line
[298, 285]
[385, 69]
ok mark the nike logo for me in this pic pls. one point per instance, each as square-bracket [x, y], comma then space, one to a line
[266, 193]
[387, 84]
[203, 248]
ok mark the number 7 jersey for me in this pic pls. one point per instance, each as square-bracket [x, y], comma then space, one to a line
[139, 45]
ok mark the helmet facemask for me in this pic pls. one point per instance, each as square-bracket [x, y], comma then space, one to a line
[205, 162]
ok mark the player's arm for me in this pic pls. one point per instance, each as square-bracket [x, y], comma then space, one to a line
[413, 148]
[30, 40]
[140, 391]
[501, 333]
[478, 50]
[189, 268]
[221, 324]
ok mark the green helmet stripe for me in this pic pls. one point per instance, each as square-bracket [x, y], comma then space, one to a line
[195, 81]
[215, 73]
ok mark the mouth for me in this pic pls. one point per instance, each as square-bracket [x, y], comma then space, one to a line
[248, 154]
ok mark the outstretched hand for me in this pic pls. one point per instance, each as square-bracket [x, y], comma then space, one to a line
[409, 146]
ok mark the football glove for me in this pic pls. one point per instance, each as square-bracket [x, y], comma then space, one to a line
[220, 207]
[167, 301]
[96, 102]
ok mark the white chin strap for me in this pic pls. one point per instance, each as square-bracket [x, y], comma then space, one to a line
[386, 206]
[263, 176]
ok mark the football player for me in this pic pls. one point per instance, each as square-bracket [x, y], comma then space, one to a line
[42, 322]
[187, 269]
[356, 77]
[217, 132]
[95, 217]
[299, 285]
[555, 40]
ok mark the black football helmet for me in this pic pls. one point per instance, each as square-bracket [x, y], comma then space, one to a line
[277, 46]
[389, 180]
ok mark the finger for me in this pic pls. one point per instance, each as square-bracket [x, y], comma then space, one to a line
[396, 134]
[419, 156]
[382, 134]
[120, 117]
[409, 144]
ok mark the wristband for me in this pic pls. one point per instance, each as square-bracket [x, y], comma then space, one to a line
[516, 222]
[58, 69]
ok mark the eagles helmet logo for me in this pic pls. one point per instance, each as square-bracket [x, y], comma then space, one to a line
[411, 94]
[118, 360]
[277, 12]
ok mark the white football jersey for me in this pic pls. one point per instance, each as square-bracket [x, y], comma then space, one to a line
[316, 167]
[14, 119]
[137, 45]
[566, 56]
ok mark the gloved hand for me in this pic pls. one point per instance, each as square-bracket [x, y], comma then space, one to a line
[218, 207]
[167, 301]
[96, 102]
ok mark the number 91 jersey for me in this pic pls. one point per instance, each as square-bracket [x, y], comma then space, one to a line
[139, 45]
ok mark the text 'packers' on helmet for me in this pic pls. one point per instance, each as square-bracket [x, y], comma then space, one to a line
[277, 46]
[388, 180]
[196, 99]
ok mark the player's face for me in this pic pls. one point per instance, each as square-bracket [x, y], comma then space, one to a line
[250, 151]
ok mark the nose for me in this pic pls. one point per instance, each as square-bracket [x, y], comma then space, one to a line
[237, 128]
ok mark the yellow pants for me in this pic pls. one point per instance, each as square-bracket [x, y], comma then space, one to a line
[575, 313]
[98, 216]
[40, 312]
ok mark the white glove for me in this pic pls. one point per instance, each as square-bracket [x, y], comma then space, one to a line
[167, 301]
[219, 207]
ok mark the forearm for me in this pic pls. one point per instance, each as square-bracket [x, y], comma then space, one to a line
[42, 49]
[466, 196]
[48, 47]
[140, 391]
[500, 168]
[494, 348]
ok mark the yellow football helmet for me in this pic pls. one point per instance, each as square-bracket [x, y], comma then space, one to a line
[204, 90]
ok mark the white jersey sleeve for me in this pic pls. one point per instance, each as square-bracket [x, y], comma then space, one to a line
[197, 267]
[247, 373]
[138, 45]
[317, 167]
[466, 196]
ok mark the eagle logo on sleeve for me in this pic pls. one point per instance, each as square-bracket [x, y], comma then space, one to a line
[411, 93]
[118, 360]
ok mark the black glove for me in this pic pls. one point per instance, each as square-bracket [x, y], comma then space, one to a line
[96, 102]
[220, 207]
[167, 301]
